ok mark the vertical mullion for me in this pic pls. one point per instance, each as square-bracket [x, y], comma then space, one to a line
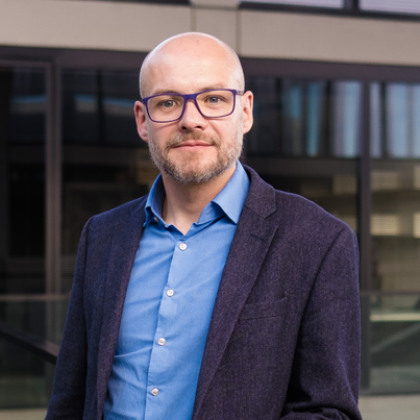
[351, 4]
[365, 193]
[58, 173]
[49, 185]
[365, 206]
[52, 254]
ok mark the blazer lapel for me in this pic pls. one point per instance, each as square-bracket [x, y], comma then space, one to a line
[126, 238]
[249, 247]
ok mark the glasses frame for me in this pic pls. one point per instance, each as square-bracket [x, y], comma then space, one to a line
[192, 97]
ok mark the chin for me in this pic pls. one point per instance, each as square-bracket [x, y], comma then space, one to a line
[194, 174]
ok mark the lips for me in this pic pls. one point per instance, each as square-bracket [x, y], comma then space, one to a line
[193, 143]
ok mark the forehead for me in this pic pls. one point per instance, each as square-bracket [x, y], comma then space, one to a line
[189, 69]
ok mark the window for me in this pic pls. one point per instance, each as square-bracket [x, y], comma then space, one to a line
[400, 6]
[338, 4]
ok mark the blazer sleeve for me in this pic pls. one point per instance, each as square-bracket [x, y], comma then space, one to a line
[68, 395]
[325, 374]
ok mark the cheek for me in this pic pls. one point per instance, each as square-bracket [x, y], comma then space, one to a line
[157, 134]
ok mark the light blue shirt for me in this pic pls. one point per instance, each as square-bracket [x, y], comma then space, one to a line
[168, 306]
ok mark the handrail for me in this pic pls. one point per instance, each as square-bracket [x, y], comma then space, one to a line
[42, 348]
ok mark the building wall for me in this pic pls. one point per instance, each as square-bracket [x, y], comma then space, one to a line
[120, 26]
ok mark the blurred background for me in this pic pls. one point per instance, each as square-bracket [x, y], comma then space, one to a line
[337, 120]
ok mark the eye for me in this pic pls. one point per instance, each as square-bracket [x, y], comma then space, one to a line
[169, 103]
[215, 100]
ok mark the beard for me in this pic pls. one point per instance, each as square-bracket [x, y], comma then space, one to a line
[195, 168]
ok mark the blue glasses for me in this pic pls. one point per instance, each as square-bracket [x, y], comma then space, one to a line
[169, 107]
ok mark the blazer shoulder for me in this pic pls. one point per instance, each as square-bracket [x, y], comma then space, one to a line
[110, 219]
[292, 213]
[303, 215]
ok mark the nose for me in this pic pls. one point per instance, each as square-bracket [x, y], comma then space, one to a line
[191, 118]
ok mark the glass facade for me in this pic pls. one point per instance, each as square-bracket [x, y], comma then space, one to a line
[305, 118]
[301, 126]
[395, 229]
[22, 179]
[308, 138]
[23, 136]
[104, 162]
[25, 381]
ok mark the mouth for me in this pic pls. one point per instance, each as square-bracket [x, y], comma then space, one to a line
[193, 145]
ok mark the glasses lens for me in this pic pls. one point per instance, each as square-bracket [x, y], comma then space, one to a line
[216, 103]
[165, 108]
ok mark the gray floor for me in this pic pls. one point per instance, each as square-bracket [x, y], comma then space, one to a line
[390, 407]
[372, 408]
[34, 414]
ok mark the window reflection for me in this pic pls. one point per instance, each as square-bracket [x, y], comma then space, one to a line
[346, 109]
[105, 163]
[98, 107]
[395, 182]
[305, 118]
[302, 118]
[395, 120]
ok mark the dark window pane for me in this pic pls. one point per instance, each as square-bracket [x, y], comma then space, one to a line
[27, 107]
[98, 108]
[22, 180]
[27, 209]
[120, 92]
[105, 163]
[80, 107]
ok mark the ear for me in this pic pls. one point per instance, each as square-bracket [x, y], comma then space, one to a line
[140, 114]
[247, 105]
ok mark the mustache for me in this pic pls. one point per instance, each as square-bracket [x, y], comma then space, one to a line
[182, 138]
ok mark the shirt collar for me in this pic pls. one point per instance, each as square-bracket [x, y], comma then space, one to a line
[229, 201]
[232, 198]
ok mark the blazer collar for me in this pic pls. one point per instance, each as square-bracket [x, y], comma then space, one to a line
[247, 253]
[126, 237]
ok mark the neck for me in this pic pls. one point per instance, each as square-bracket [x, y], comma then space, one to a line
[184, 203]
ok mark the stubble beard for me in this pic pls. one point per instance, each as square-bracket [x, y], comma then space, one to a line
[196, 170]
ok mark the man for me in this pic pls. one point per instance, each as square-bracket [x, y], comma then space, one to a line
[214, 297]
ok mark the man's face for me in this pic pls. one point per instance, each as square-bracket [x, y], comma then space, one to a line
[194, 149]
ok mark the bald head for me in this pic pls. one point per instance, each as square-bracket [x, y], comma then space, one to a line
[191, 50]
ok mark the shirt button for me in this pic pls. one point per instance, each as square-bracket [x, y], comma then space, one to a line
[156, 219]
[161, 341]
[182, 247]
[170, 292]
[155, 391]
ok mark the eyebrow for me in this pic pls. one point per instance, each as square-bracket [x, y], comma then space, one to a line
[176, 92]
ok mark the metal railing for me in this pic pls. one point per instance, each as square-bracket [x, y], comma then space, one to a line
[45, 349]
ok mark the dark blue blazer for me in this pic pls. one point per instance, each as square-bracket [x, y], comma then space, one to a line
[284, 338]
